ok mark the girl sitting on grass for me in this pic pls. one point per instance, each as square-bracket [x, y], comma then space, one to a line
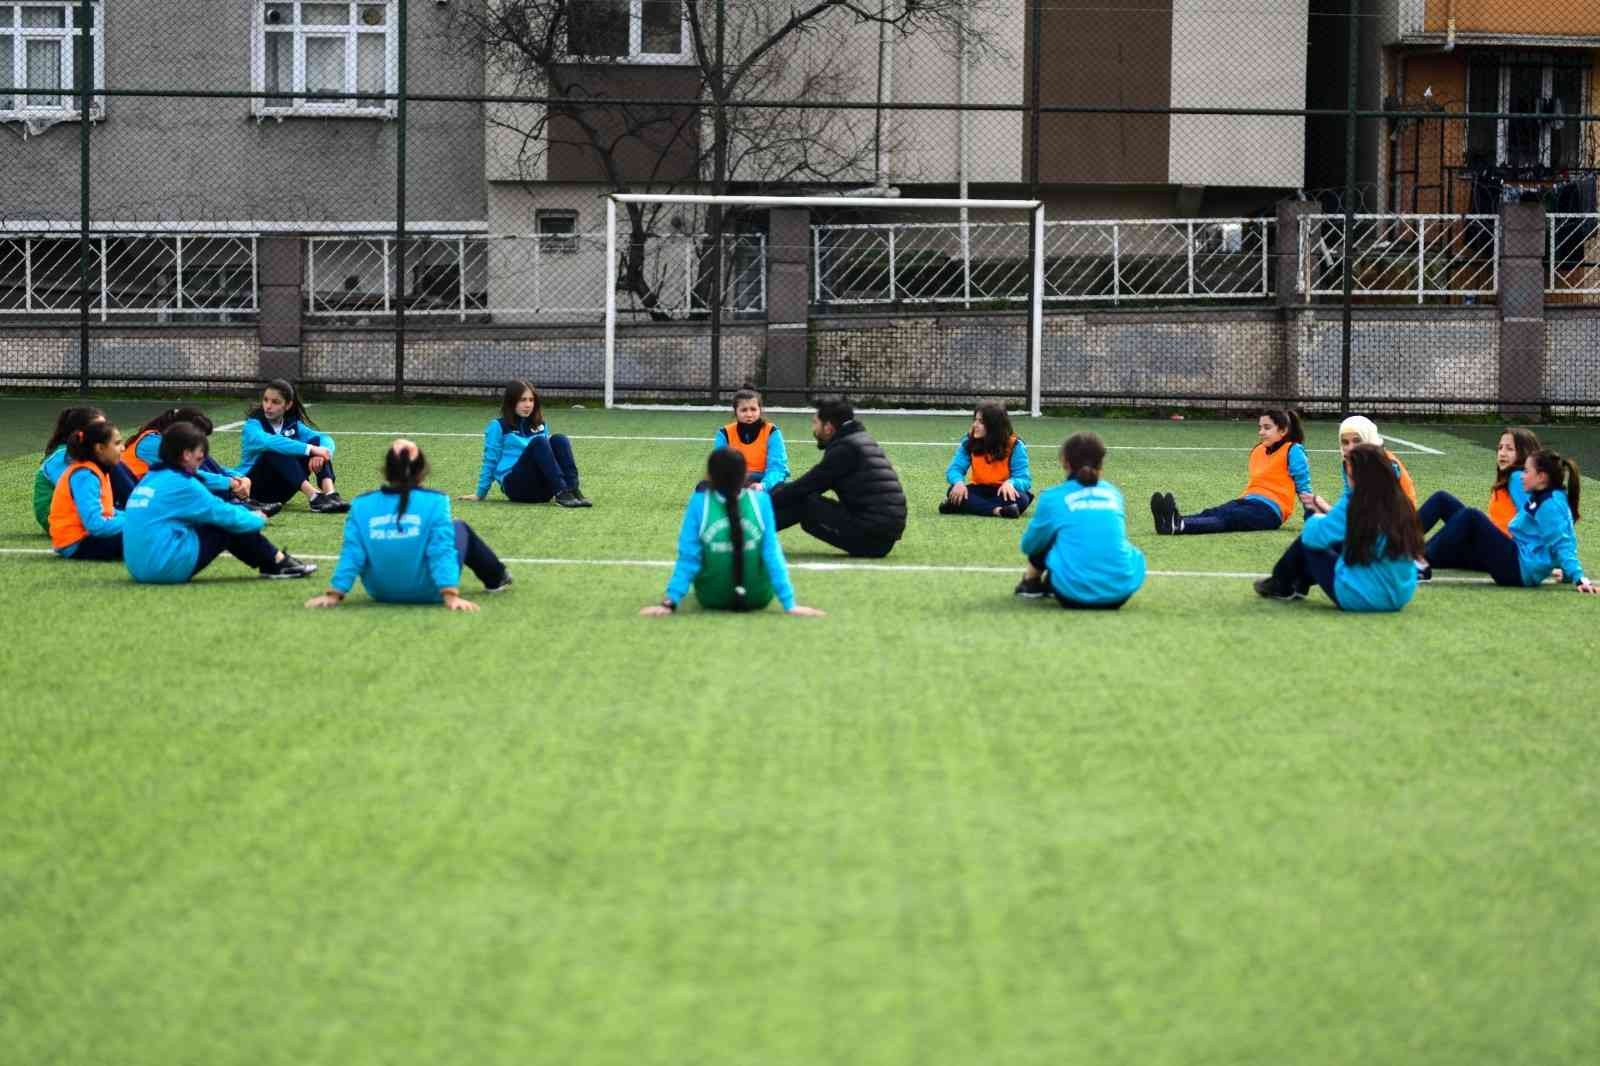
[282, 453]
[1542, 535]
[1361, 551]
[728, 547]
[1077, 544]
[1359, 429]
[766, 457]
[1279, 471]
[519, 451]
[55, 460]
[1506, 494]
[84, 520]
[143, 450]
[988, 475]
[176, 526]
[405, 547]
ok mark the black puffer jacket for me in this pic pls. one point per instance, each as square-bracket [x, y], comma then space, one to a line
[854, 466]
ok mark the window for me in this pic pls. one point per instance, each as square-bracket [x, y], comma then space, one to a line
[1528, 82]
[341, 48]
[558, 231]
[637, 31]
[42, 48]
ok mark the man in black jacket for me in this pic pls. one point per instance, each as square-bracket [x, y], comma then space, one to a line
[870, 514]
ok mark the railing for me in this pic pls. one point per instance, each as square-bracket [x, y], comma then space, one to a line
[1415, 256]
[147, 273]
[1104, 260]
[1574, 253]
[512, 277]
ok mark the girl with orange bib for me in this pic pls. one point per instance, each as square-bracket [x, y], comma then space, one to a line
[84, 521]
[766, 457]
[1353, 431]
[143, 450]
[55, 460]
[988, 475]
[1506, 495]
[1279, 474]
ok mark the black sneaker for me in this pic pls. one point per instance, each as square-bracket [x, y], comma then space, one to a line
[328, 503]
[583, 501]
[1267, 590]
[287, 568]
[505, 582]
[1425, 573]
[265, 510]
[947, 507]
[1173, 517]
[1160, 514]
[568, 498]
[1030, 588]
[1009, 510]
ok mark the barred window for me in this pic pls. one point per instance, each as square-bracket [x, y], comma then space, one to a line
[634, 31]
[336, 48]
[42, 49]
[1549, 84]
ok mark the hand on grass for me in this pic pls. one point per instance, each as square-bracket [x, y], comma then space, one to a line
[454, 602]
[1008, 492]
[327, 599]
[1587, 587]
[656, 610]
[797, 611]
[474, 497]
[958, 492]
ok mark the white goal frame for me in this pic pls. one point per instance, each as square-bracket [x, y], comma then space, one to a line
[1036, 286]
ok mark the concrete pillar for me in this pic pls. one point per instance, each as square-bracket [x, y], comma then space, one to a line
[1293, 304]
[1522, 326]
[282, 273]
[788, 304]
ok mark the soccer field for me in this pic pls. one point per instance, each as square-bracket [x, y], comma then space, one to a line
[939, 826]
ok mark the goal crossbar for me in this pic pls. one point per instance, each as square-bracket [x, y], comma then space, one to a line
[1036, 285]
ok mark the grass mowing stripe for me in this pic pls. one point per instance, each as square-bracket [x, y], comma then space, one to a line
[823, 568]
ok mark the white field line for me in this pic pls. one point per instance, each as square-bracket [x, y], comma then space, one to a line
[230, 427]
[1423, 448]
[335, 433]
[834, 567]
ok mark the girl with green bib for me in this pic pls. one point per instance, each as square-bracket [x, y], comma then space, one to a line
[728, 547]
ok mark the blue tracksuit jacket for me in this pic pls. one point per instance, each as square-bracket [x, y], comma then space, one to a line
[1021, 474]
[159, 542]
[502, 449]
[399, 558]
[691, 552]
[292, 438]
[1546, 538]
[1382, 585]
[1084, 531]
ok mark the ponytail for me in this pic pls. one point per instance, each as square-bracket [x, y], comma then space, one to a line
[726, 472]
[1083, 455]
[1288, 420]
[404, 467]
[1563, 474]
[82, 442]
[68, 422]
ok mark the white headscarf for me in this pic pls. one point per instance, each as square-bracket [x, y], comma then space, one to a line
[1362, 427]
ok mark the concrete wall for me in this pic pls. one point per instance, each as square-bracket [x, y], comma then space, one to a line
[184, 160]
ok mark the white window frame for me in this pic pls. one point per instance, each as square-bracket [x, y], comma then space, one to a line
[636, 55]
[300, 107]
[17, 37]
[1547, 71]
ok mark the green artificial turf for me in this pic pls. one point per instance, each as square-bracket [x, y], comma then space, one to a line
[939, 826]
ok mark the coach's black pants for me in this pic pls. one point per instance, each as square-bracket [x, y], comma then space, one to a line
[828, 521]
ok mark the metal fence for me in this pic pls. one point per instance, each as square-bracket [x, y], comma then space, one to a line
[1413, 256]
[1574, 253]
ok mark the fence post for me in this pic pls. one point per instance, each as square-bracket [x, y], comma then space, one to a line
[400, 207]
[85, 79]
[1522, 312]
[1352, 97]
[787, 306]
[719, 186]
[285, 265]
[1422, 258]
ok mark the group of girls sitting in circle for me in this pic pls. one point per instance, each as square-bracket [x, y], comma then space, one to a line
[167, 509]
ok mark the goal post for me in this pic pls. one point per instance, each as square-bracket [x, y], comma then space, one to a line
[999, 280]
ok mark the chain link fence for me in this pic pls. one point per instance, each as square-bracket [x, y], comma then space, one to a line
[1390, 202]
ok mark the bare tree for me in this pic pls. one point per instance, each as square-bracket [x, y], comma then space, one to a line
[759, 52]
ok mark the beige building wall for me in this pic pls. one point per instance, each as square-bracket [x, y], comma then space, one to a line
[1246, 53]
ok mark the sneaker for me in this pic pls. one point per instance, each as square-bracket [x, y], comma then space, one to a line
[265, 510]
[328, 503]
[505, 582]
[946, 507]
[583, 501]
[1159, 512]
[1269, 591]
[1424, 572]
[338, 499]
[1009, 510]
[1030, 588]
[568, 498]
[1173, 516]
[288, 567]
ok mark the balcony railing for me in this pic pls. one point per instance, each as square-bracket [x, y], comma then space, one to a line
[1420, 257]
